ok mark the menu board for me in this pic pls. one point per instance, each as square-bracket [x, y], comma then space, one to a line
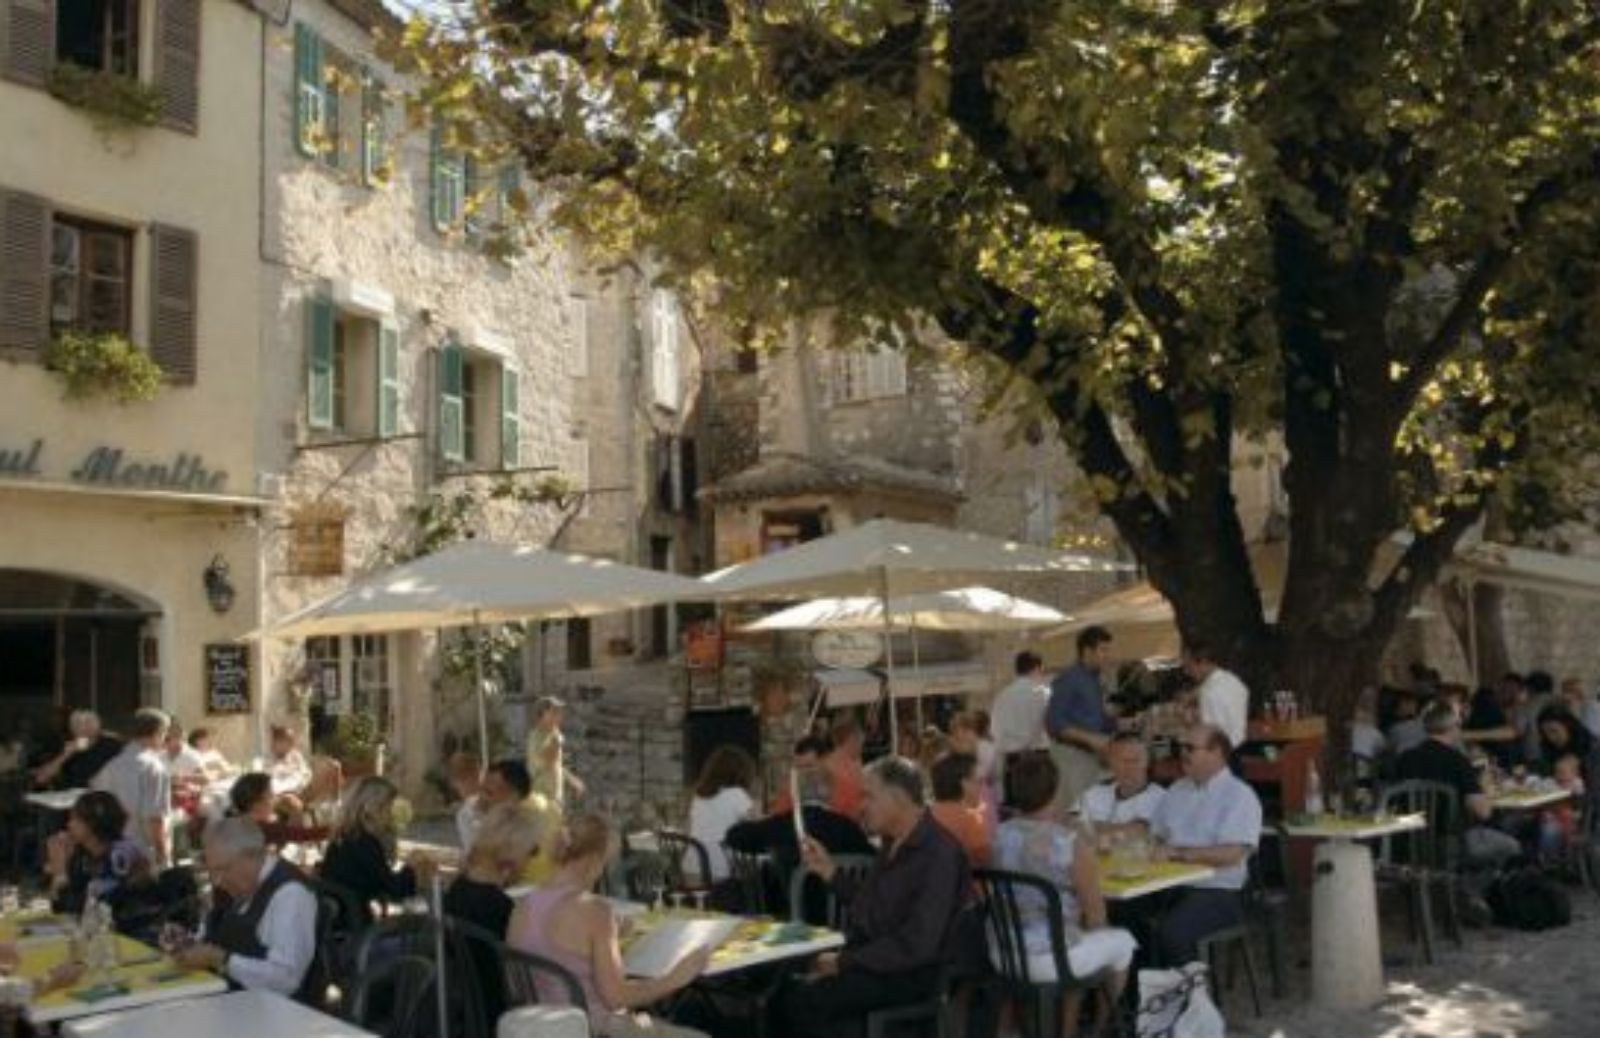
[227, 678]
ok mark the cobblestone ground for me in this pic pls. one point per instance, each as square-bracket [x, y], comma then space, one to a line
[1503, 984]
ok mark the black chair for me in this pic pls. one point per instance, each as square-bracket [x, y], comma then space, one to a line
[1223, 948]
[523, 972]
[675, 847]
[468, 994]
[341, 920]
[1268, 902]
[1005, 897]
[1588, 842]
[396, 998]
[855, 866]
[1426, 860]
[750, 872]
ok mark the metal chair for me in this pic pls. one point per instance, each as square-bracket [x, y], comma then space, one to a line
[1224, 947]
[1269, 905]
[396, 998]
[854, 866]
[675, 847]
[523, 973]
[1420, 862]
[1008, 901]
[750, 872]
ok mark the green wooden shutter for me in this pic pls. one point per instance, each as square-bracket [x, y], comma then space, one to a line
[319, 363]
[388, 380]
[509, 184]
[452, 428]
[374, 131]
[309, 94]
[510, 418]
[441, 219]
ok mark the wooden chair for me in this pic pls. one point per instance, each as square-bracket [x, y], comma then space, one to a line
[1421, 862]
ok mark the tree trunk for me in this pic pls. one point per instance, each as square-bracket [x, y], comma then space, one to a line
[1328, 675]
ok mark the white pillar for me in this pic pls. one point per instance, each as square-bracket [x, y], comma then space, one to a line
[1346, 959]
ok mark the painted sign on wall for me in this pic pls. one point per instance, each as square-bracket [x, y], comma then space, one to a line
[183, 472]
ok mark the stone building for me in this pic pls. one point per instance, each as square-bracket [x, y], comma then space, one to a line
[128, 215]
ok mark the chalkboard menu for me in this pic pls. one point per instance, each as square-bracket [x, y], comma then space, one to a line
[227, 678]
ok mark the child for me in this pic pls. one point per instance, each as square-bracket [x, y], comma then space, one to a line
[1557, 824]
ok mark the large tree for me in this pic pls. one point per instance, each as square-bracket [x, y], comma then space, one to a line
[1369, 226]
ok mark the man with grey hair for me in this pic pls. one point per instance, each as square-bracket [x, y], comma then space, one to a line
[901, 914]
[87, 750]
[262, 929]
[1440, 759]
[138, 778]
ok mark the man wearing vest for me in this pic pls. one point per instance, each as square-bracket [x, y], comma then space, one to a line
[262, 929]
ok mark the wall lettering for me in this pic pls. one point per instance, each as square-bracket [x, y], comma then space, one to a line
[106, 466]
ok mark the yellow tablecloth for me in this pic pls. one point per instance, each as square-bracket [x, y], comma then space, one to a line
[1120, 879]
[754, 942]
[141, 970]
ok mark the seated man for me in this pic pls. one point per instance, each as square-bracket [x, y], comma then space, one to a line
[509, 782]
[900, 916]
[262, 928]
[1208, 817]
[809, 754]
[1440, 759]
[1129, 799]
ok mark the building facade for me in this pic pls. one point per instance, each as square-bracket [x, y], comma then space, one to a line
[128, 235]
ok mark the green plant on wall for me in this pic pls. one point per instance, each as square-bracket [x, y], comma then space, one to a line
[105, 364]
[441, 519]
[113, 101]
[355, 739]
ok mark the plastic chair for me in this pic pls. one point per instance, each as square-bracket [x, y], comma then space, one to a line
[674, 847]
[1420, 862]
[750, 872]
[1269, 904]
[1234, 943]
[855, 866]
[396, 998]
[1003, 898]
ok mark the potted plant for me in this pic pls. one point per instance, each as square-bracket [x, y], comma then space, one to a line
[354, 743]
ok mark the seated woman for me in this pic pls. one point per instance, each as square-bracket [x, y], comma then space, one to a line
[214, 764]
[721, 800]
[572, 927]
[360, 857]
[1035, 843]
[958, 805]
[507, 836]
[91, 858]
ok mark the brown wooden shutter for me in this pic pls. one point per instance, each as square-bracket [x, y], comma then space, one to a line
[28, 31]
[174, 273]
[177, 69]
[24, 271]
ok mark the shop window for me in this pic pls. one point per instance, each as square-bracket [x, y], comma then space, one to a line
[371, 678]
[99, 34]
[90, 271]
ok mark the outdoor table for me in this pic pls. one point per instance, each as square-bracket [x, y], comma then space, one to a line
[756, 942]
[1121, 880]
[1527, 799]
[55, 799]
[1346, 959]
[143, 977]
[241, 1014]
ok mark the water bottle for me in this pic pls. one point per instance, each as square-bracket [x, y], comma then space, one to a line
[1314, 806]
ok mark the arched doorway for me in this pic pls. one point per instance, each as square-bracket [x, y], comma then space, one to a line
[67, 643]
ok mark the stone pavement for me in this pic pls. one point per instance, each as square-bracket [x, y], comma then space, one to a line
[1503, 984]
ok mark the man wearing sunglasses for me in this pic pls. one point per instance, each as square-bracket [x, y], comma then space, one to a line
[1209, 817]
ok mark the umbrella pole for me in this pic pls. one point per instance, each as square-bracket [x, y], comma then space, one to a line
[438, 950]
[916, 668]
[888, 656]
[477, 678]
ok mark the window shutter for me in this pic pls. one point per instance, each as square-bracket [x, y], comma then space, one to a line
[174, 277]
[509, 184]
[24, 271]
[177, 64]
[30, 40]
[510, 418]
[452, 442]
[308, 93]
[319, 362]
[388, 380]
[374, 131]
[440, 200]
[472, 197]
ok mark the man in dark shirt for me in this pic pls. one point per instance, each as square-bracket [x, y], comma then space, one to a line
[88, 749]
[1076, 719]
[900, 915]
[1440, 759]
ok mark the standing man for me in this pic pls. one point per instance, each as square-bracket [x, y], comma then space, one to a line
[1018, 715]
[1076, 718]
[1224, 701]
[138, 778]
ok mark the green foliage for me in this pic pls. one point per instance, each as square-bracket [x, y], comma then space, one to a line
[355, 739]
[93, 365]
[114, 101]
[1372, 230]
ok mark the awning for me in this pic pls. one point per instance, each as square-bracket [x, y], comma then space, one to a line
[849, 687]
[944, 679]
[1526, 569]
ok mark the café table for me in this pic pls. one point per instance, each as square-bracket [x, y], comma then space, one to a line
[1346, 957]
[1527, 798]
[753, 943]
[1124, 880]
[240, 1014]
[143, 976]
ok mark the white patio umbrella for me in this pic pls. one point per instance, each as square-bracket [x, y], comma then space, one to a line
[966, 609]
[887, 558]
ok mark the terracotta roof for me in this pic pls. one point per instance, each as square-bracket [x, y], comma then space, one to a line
[786, 475]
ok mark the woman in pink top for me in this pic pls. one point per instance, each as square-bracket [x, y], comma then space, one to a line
[562, 921]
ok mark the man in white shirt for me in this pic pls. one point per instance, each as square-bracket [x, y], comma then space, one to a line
[1224, 700]
[1016, 718]
[262, 931]
[1130, 798]
[138, 778]
[1209, 817]
[184, 762]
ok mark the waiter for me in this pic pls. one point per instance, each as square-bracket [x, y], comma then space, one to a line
[1076, 718]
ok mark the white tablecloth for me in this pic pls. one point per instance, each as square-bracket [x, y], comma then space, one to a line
[242, 1014]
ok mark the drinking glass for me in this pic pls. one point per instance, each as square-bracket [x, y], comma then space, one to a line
[700, 900]
[10, 900]
[677, 901]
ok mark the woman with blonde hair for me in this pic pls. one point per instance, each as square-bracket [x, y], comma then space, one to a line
[564, 922]
[508, 835]
[361, 856]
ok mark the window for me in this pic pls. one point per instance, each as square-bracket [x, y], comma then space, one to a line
[338, 108]
[371, 684]
[479, 409]
[352, 372]
[664, 349]
[325, 671]
[89, 277]
[470, 402]
[375, 158]
[448, 182]
[99, 34]
[862, 375]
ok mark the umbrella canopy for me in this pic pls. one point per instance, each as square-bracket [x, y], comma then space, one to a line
[888, 558]
[478, 582]
[966, 609]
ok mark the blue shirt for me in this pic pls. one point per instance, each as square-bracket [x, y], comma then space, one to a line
[1225, 812]
[1076, 702]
